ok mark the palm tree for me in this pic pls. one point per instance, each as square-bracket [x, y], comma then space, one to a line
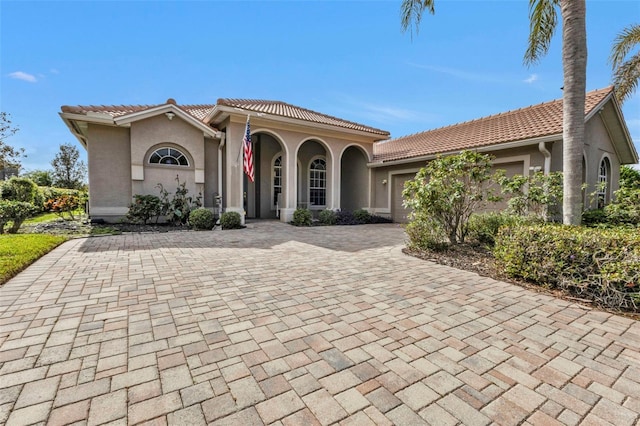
[543, 23]
[626, 73]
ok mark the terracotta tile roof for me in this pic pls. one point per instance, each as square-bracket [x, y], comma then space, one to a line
[526, 123]
[283, 109]
[197, 111]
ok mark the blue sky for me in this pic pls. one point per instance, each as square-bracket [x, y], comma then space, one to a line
[344, 58]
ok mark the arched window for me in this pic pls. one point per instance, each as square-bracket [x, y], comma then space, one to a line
[318, 182]
[170, 156]
[604, 178]
[276, 179]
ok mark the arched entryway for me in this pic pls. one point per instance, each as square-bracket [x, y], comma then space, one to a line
[354, 179]
[265, 196]
[314, 176]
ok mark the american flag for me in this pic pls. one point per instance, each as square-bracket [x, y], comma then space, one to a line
[248, 153]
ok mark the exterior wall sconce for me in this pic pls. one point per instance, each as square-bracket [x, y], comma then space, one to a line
[384, 181]
[169, 115]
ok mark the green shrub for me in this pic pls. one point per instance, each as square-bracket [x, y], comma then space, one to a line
[593, 217]
[362, 216]
[19, 189]
[626, 207]
[230, 220]
[327, 217]
[426, 234]
[144, 207]
[599, 264]
[201, 218]
[65, 204]
[52, 193]
[15, 212]
[449, 189]
[302, 217]
[483, 227]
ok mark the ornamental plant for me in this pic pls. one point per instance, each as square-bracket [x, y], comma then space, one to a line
[63, 205]
[327, 217]
[201, 219]
[230, 220]
[302, 217]
[448, 190]
[15, 212]
[144, 208]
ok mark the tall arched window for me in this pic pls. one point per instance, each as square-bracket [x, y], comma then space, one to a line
[604, 178]
[276, 179]
[169, 156]
[318, 182]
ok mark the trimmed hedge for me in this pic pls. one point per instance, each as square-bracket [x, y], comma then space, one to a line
[602, 265]
[230, 220]
[302, 217]
[202, 219]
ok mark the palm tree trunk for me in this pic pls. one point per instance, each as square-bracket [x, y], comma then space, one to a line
[574, 63]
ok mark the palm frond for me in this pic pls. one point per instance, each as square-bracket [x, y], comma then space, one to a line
[411, 13]
[626, 77]
[543, 20]
[626, 40]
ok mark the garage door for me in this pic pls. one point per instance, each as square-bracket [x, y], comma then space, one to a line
[511, 169]
[398, 212]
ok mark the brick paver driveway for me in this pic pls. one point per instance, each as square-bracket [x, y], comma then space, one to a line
[280, 325]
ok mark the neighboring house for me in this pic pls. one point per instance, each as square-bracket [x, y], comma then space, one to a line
[308, 159]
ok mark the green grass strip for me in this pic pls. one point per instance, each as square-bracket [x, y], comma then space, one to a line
[20, 250]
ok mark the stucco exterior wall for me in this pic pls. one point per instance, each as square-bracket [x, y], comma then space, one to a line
[521, 159]
[156, 132]
[598, 145]
[355, 180]
[211, 187]
[109, 158]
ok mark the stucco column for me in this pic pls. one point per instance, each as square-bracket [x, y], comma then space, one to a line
[291, 184]
[234, 172]
[334, 180]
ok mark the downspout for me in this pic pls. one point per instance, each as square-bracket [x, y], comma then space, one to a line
[223, 138]
[542, 147]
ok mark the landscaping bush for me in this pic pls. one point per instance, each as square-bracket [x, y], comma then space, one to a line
[426, 234]
[15, 212]
[201, 218]
[65, 204]
[380, 219]
[302, 217]
[230, 220]
[362, 216]
[50, 192]
[448, 190]
[144, 207]
[327, 217]
[345, 218]
[483, 227]
[598, 264]
[20, 189]
[177, 209]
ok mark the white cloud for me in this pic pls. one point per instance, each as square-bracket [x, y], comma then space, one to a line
[462, 74]
[383, 114]
[531, 79]
[19, 75]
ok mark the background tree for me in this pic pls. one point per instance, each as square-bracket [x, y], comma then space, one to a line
[40, 177]
[543, 22]
[68, 170]
[9, 156]
[626, 73]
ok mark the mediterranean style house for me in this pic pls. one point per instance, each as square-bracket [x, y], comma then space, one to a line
[307, 159]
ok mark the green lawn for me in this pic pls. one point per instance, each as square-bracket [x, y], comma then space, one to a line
[50, 216]
[18, 251]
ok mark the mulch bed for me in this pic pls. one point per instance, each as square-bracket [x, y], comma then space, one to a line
[478, 259]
